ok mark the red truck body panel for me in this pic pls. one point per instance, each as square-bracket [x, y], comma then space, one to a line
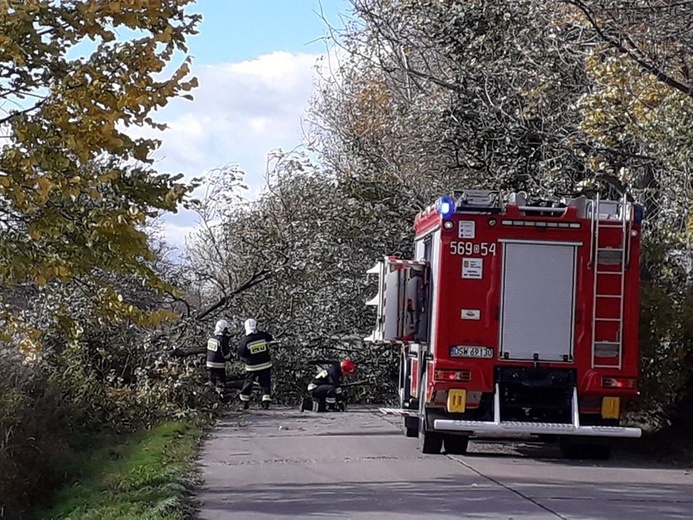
[470, 276]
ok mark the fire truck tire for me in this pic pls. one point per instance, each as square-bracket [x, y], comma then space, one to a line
[456, 444]
[411, 427]
[430, 442]
[569, 450]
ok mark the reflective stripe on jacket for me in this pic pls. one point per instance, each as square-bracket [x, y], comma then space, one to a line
[218, 351]
[331, 376]
[254, 351]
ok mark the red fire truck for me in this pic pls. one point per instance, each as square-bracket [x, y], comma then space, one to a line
[515, 316]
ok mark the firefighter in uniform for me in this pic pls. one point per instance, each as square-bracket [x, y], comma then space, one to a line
[254, 352]
[325, 389]
[218, 353]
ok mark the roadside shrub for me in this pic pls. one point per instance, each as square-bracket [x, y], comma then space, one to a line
[113, 380]
[666, 339]
[36, 424]
[123, 381]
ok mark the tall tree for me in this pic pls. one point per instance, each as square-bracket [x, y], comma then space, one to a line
[295, 259]
[75, 187]
[474, 94]
[655, 35]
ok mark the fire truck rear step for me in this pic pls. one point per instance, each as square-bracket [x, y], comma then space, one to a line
[443, 425]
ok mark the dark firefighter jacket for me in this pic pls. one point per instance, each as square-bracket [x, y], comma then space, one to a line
[331, 376]
[254, 351]
[218, 351]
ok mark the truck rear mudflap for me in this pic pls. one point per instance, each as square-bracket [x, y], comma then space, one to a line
[574, 428]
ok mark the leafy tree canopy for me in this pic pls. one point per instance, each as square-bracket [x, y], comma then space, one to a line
[75, 188]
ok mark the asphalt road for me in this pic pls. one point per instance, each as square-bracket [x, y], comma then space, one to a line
[358, 465]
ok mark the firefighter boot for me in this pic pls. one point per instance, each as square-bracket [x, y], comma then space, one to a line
[341, 402]
[265, 402]
[245, 401]
[306, 404]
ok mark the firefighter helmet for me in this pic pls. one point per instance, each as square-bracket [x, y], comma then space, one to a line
[348, 367]
[222, 327]
[250, 326]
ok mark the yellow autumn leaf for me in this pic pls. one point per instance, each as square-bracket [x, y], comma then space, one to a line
[69, 145]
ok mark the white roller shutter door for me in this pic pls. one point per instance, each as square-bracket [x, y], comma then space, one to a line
[538, 301]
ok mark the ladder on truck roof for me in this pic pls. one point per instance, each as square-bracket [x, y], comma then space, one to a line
[609, 257]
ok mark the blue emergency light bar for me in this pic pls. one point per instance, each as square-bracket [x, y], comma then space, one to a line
[446, 206]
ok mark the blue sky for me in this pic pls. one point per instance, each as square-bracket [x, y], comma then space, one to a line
[255, 63]
[237, 30]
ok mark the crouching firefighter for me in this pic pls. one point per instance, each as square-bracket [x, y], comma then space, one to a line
[254, 352]
[218, 353]
[326, 390]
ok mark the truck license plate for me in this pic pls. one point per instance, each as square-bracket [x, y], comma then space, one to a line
[471, 352]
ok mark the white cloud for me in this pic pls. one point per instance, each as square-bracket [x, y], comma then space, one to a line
[176, 234]
[240, 113]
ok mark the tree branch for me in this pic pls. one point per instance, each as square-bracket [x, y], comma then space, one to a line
[254, 279]
[634, 53]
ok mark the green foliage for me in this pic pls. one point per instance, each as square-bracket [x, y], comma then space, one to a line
[628, 107]
[144, 475]
[128, 387]
[123, 381]
[82, 285]
[434, 96]
[37, 426]
[314, 243]
[106, 377]
[75, 189]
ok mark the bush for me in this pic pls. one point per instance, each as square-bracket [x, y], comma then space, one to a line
[113, 380]
[35, 426]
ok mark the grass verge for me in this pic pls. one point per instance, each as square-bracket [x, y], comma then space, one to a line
[146, 475]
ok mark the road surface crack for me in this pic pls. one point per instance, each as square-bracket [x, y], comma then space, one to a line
[512, 490]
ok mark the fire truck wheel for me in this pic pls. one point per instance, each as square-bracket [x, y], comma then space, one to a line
[411, 427]
[595, 451]
[430, 442]
[411, 432]
[569, 448]
[456, 444]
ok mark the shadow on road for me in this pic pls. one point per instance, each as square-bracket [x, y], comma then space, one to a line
[625, 454]
[449, 496]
